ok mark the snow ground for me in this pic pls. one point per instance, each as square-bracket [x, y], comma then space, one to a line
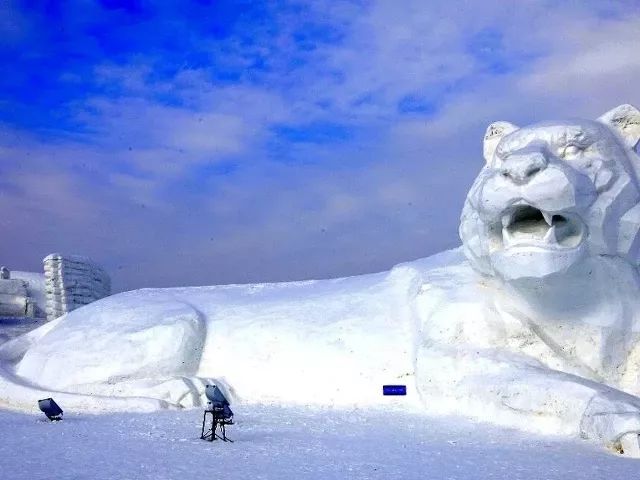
[291, 443]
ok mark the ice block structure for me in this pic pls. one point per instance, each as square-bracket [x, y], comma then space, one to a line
[72, 281]
[14, 296]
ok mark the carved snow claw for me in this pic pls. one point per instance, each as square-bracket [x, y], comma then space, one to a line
[630, 445]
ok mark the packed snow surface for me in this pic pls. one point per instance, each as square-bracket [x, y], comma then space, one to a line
[291, 443]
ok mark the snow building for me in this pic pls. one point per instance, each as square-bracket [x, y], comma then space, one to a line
[72, 281]
[68, 282]
[15, 300]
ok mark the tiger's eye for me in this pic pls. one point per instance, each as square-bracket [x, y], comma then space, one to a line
[570, 151]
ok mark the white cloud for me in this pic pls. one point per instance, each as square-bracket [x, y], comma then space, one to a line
[390, 192]
[596, 64]
[143, 124]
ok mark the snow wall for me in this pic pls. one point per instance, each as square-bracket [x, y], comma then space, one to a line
[72, 281]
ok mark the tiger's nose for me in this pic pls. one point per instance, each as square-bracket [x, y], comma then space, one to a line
[521, 167]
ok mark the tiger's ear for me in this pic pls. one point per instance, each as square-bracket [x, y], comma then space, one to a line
[624, 119]
[493, 135]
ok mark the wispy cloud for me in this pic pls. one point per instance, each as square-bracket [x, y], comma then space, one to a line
[276, 140]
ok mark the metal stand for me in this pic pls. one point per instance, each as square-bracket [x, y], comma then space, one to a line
[219, 420]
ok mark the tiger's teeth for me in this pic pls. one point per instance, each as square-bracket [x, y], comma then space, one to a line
[506, 236]
[548, 218]
[550, 236]
[506, 219]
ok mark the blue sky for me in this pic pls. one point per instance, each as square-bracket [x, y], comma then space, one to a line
[182, 143]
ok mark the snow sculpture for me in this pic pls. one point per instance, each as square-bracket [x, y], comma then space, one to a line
[552, 222]
[536, 328]
[14, 300]
[15, 296]
[72, 281]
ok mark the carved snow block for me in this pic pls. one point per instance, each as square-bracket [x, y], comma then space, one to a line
[72, 281]
[13, 298]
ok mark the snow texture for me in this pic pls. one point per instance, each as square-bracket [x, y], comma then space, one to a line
[296, 443]
[536, 326]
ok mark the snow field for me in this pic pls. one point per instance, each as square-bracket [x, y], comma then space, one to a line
[291, 443]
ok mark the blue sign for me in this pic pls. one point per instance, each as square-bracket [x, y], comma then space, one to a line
[394, 389]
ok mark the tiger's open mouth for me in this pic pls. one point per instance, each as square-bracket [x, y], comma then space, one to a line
[525, 225]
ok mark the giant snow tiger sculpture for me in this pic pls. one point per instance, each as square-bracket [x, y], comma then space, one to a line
[537, 328]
